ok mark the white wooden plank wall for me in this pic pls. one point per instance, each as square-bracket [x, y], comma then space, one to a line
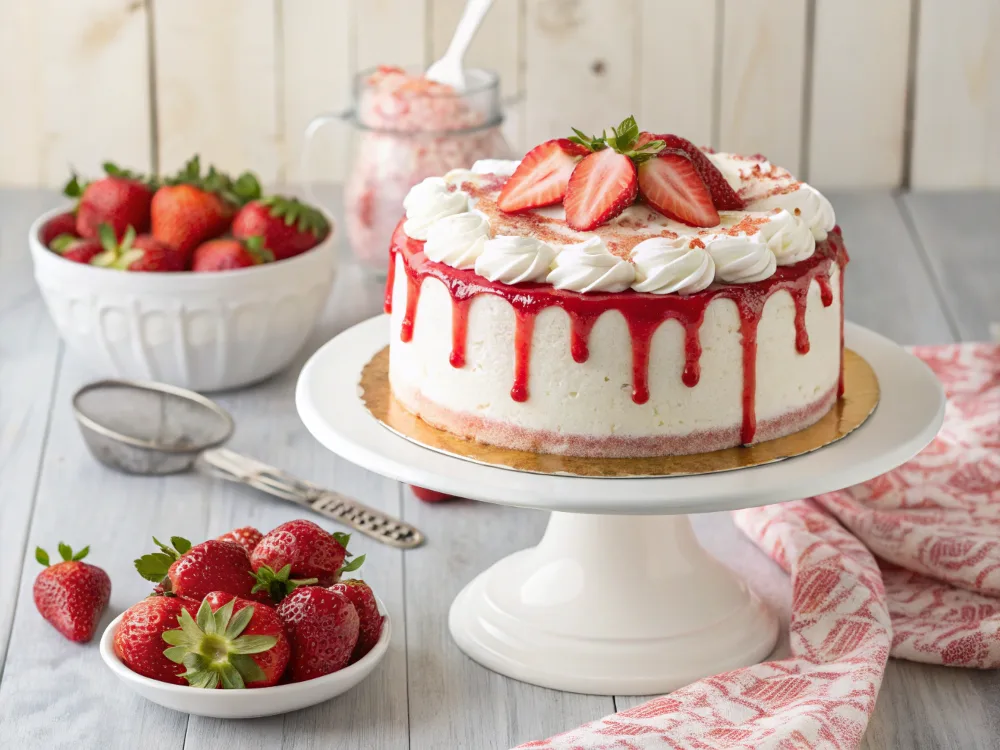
[848, 93]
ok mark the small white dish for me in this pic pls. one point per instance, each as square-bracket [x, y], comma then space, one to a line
[250, 703]
[201, 331]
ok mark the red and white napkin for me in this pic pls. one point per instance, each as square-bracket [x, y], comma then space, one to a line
[906, 565]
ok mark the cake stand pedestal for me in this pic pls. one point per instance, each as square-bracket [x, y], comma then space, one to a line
[618, 597]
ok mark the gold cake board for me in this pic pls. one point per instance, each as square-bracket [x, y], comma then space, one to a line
[861, 396]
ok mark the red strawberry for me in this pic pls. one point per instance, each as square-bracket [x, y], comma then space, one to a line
[192, 208]
[601, 187]
[723, 195]
[429, 496]
[230, 643]
[196, 571]
[323, 627]
[139, 638]
[670, 184]
[370, 619]
[287, 226]
[63, 224]
[121, 199]
[77, 249]
[226, 253]
[245, 536]
[142, 253]
[71, 594]
[542, 176]
[308, 550]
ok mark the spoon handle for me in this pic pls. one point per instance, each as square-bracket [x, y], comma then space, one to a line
[227, 464]
[468, 24]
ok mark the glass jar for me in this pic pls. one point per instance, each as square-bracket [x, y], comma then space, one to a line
[408, 129]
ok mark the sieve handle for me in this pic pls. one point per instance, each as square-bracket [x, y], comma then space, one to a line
[227, 464]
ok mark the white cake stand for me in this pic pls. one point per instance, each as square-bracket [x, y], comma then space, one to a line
[618, 597]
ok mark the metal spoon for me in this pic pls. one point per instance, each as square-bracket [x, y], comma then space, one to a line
[155, 429]
[448, 69]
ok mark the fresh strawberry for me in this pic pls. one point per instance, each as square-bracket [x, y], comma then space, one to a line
[121, 199]
[308, 550]
[245, 536]
[139, 638]
[323, 627]
[142, 253]
[230, 643]
[63, 225]
[604, 183]
[369, 618]
[196, 571]
[76, 248]
[671, 185]
[191, 208]
[286, 226]
[601, 187]
[542, 176]
[227, 253]
[429, 496]
[723, 195]
[71, 594]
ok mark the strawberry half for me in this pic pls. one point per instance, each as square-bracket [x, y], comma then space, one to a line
[542, 176]
[723, 196]
[602, 186]
[671, 184]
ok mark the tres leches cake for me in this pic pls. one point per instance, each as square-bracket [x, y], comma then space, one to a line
[624, 295]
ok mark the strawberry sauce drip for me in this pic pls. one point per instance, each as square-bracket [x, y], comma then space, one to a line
[643, 313]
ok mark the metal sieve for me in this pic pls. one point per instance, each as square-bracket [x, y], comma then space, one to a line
[155, 429]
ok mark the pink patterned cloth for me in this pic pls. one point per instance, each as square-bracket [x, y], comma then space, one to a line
[906, 565]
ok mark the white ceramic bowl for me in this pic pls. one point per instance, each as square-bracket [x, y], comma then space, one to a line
[203, 331]
[251, 703]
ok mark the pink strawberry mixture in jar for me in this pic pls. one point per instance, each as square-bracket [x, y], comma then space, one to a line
[413, 128]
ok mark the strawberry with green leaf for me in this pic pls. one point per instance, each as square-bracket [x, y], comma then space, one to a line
[120, 199]
[308, 550]
[76, 248]
[196, 571]
[228, 253]
[287, 226]
[71, 594]
[136, 253]
[230, 643]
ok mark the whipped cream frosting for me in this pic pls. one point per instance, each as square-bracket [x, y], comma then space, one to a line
[457, 240]
[431, 201]
[671, 266]
[640, 248]
[590, 267]
[741, 259]
[515, 260]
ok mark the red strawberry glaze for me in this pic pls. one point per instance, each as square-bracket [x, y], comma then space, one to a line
[643, 313]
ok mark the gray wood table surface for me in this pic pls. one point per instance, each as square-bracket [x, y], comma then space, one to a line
[925, 269]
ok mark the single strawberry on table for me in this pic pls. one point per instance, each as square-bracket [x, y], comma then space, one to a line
[287, 226]
[61, 225]
[308, 550]
[230, 643]
[605, 182]
[323, 627]
[542, 176]
[196, 571]
[121, 199]
[671, 184]
[369, 618]
[139, 640]
[71, 594]
[142, 253]
[191, 208]
[227, 253]
[245, 536]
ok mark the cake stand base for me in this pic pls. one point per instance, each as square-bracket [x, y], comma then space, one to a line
[612, 605]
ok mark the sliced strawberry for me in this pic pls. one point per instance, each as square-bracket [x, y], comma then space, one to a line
[671, 184]
[723, 195]
[601, 187]
[541, 177]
